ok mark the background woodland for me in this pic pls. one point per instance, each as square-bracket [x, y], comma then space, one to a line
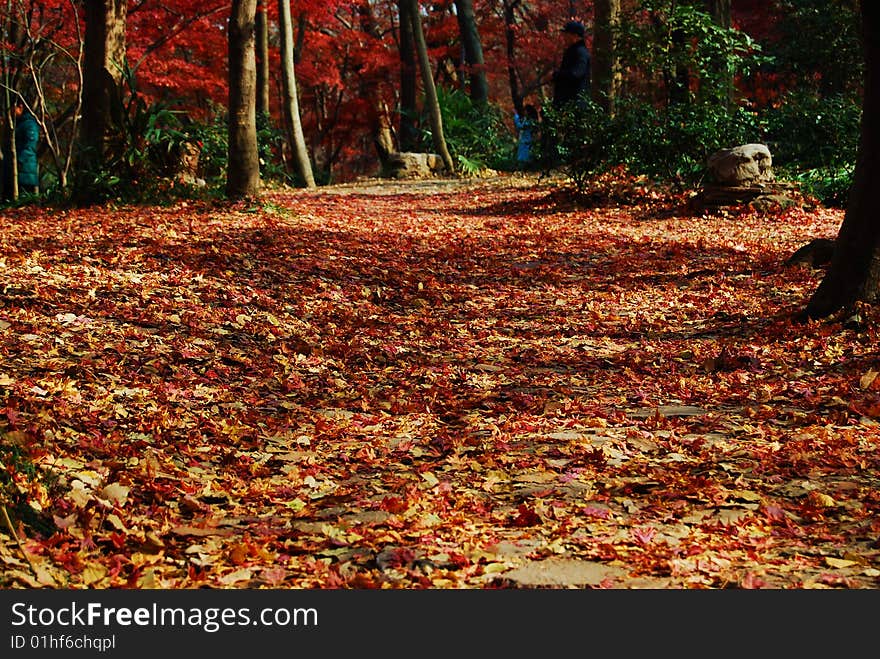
[673, 81]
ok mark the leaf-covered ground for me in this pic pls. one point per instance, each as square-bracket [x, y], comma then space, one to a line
[469, 385]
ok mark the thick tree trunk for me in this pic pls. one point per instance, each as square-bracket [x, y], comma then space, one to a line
[606, 72]
[409, 132]
[431, 102]
[104, 64]
[243, 170]
[262, 46]
[290, 106]
[473, 51]
[854, 273]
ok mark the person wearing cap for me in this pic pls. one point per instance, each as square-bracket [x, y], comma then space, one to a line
[571, 81]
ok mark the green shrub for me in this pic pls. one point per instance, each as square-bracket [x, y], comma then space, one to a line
[476, 136]
[814, 141]
[666, 144]
[141, 156]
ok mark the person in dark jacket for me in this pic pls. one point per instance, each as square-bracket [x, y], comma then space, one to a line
[27, 137]
[571, 81]
[571, 88]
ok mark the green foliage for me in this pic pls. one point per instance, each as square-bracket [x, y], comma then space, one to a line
[830, 184]
[819, 46]
[14, 464]
[663, 131]
[19, 478]
[140, 158]
[476, 135]
[662, 39]
[669, 143]
[811, 131]
[214, 137]
[814, 140]
[16, 469]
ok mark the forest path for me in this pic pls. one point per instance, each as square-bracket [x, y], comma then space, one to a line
[434, 384]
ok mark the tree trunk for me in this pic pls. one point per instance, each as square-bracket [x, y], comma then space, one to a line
[473, 52]
[431, 102]
[104, 64]
[290, 106]
[510, 50]
[854, 273]
[383, 135]
[243, 171]
[606, 72]
[409, 132]
[262, 56]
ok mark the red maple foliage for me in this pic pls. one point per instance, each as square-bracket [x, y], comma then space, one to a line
[430, 385]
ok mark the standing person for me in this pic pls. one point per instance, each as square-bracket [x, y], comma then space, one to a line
[571, 86]
[571, 81]
[27, 137]
[526, 127]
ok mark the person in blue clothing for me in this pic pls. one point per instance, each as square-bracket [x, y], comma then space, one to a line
[27, 138]
[526, 126]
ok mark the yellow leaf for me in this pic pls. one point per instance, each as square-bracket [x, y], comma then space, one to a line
[868, 378]
[234, 577]
[431, 479]
[115, 522]
[495, 568]
[115, 493]
[93, 573]
[838, 562]
[821, 500]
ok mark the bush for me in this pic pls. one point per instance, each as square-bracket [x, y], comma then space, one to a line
[141, 158]
[815, 141]
[666, 144]
[476, 136]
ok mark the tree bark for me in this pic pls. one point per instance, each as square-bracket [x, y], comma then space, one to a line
[383, 135]
[606, 72]
[431, 102]
[516, 94]
[104, 65]
[854, 273]
[408, 136]
[290, 106]
[262, 56]
[243, 170]
[473, 52]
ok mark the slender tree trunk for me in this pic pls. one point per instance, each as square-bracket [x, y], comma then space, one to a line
[383, 138]
[606, 72]
[262, 53]
[510, 51]
[431, 102]
[408, 136]
[854, 273]
[104, 63]
[290, 106]
[243, 171]
[473, 52]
